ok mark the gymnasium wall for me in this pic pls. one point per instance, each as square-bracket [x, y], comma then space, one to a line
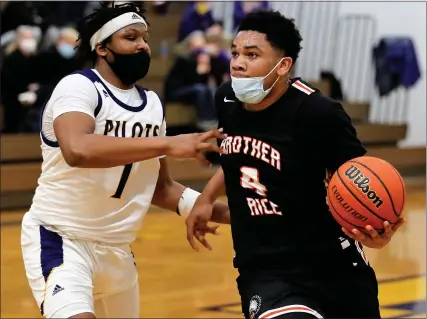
[402, 19]
[318, 23]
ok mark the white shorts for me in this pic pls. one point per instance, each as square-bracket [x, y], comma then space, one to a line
[69, 276]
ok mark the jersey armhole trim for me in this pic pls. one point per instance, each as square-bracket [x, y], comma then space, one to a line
[96, 112]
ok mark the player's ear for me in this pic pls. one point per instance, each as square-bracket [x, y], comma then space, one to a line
[284, 66]
[101, 50]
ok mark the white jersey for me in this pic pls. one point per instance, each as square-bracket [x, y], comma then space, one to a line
[100, 204]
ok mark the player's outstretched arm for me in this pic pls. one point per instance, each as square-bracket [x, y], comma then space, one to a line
[177, 197]
[81, 148]
[206, 209]
[174, 196]
[207, 205]
[168, 192]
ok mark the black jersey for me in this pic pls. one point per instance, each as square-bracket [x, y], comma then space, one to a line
[275, 169]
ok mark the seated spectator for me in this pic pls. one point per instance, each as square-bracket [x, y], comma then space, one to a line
[59, 60]
[242, 8]
[51, 66]
[219, 57]
[197, 17]
[189, 80]
[18, 77]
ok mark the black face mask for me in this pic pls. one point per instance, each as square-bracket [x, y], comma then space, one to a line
[130, 68]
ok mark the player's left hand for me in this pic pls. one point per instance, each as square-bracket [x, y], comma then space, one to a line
[197, 223]
[371, 238]
[200, 232]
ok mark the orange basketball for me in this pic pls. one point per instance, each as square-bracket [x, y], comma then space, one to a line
[366, 191]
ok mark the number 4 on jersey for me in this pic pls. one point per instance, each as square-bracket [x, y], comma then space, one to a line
[250, 180]
[257, 206]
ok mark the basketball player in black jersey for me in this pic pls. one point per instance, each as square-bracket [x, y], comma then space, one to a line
[284, 139]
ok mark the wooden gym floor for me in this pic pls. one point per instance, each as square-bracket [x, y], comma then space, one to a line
[177, 282]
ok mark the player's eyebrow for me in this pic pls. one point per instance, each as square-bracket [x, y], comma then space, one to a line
[251, 47]
[247, 47]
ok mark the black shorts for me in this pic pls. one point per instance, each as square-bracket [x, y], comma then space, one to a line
[353, 294]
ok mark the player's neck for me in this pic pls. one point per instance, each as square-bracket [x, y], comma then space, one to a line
[109, 76]
[276, 93]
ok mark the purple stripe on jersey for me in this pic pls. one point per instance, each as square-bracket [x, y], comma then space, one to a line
[52, 253]
[92, 76]
[95, 78]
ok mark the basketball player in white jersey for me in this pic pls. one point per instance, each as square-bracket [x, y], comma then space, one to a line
[103, 146]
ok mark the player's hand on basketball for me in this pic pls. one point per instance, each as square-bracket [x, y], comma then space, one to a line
[197, 223]
[195, 145]
[371, 238]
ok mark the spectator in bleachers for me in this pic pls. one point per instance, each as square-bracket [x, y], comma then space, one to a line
[51, 66]
[197, 17]
[219, 57]
[190, 78]
[60, 59]
[18, 76]
[242, 8]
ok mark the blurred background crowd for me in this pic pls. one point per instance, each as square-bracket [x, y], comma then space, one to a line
[368, 55]
[358, 56]
[38, 41]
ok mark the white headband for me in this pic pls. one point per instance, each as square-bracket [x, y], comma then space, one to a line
[115, 25]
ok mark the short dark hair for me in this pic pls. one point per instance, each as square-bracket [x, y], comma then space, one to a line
[280, 31]
[93, 22]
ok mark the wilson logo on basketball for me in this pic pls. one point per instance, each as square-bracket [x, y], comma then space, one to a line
[362, 182]
[346, 206]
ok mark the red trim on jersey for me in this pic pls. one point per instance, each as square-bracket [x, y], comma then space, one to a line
[288, 309]
[302, 87]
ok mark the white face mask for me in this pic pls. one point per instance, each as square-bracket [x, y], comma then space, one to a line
[251, 90]
[28, 45]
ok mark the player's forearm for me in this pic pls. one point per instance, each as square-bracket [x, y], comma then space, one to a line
[168, 194]
[215, 187]
[220, 213]
[98, 151]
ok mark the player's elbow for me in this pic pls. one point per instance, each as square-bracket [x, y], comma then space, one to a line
[75, 155]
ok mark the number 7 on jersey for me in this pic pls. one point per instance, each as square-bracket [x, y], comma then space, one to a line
[123, 181]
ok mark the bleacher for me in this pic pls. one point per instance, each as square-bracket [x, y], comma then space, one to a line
[21, 155]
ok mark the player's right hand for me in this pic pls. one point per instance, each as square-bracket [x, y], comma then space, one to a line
[194, 145]
[197, 223]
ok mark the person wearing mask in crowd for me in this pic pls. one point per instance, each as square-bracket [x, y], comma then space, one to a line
[50, 67]
[17, 77]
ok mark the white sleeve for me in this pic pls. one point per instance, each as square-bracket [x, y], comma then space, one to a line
[159, 104]
[74, 93]
[163, 128]
[162, 132]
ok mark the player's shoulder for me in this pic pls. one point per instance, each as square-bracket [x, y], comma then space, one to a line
[151, 95]
[225, 88]
[74, 79]
[224, 91]
[75, 82]
[313, 102]
[225, 99]
[153, 98]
